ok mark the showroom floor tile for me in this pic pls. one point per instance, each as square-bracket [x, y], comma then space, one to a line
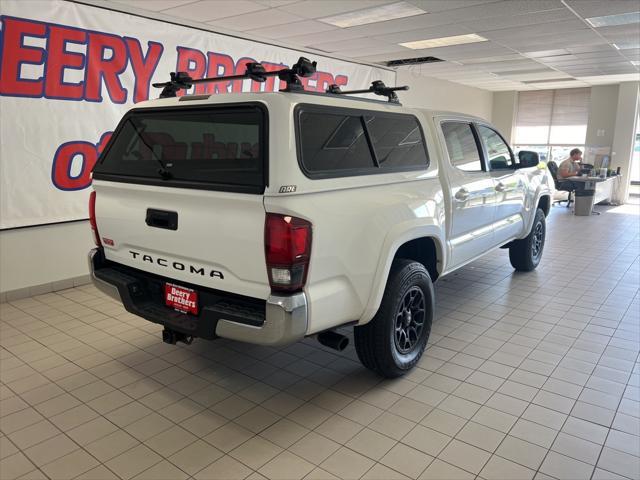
[526, 376]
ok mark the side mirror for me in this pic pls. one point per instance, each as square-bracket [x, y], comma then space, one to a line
[528, 159]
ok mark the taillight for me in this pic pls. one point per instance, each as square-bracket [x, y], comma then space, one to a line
[287, 242]
[92, 219]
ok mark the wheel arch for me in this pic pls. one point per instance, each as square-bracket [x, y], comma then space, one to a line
[425, 246]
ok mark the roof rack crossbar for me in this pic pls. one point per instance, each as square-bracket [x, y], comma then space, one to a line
[254, 71]
[377, 87]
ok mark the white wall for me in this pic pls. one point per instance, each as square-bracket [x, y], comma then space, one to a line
[41, 256]
[603, 105]
[624, 135]
[503, 114]
[427, 92]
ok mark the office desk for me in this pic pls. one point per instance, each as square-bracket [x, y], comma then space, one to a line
[603, 189]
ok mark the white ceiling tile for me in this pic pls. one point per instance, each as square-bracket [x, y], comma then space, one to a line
[511, 66]
[392, 51]
[542, 76]
[292, 30]
[254, 20]
[275, 3]
[354, 44]
[604, 79]
[545, 53]
[597, 8]
[502, 21]
[611, 53]
[590, 48]
[530, 31]
[497, 58]
[424, 34]
[153, 5]
[327, 8]
[206, 10]
[435, 6]
[337, 34]
[560, 85]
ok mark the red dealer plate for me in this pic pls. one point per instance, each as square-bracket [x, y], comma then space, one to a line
[180, 298]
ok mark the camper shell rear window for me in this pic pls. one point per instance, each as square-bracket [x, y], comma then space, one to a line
[206, 147]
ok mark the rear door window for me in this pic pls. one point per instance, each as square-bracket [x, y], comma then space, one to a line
[212, 147]
[335, 142]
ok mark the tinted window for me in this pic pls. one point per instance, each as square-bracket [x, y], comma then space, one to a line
[331, 142]
[498, 152]
[339, 142]
[397, 141]
[221, 146]
[461, 146]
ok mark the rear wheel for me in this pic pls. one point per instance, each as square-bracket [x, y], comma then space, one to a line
[525, 254]
[394, 340]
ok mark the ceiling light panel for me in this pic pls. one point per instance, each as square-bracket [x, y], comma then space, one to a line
[444, 41]
[382, 13]
[611, 20]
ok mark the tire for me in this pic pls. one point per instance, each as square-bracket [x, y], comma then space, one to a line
[525, 254]
[389, 348]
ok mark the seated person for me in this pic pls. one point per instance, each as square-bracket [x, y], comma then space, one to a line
[570, 167]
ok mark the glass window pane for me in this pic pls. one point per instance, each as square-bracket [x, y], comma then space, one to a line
[568, 134]
[498, 152]
[543, 150]
[203, 145]
[331, 142]
[397, 141]
[461, 146]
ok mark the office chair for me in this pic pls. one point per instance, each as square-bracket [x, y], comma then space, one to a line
[553, 168]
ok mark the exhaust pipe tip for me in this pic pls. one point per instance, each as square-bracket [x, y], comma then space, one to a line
[334, 340]
[172, 337]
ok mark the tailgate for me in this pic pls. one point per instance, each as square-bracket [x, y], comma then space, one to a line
[218, 242]
[179, 193]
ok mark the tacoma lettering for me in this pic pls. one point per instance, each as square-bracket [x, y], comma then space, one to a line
[163, 262]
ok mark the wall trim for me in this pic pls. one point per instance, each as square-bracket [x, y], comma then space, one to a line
[44, 288]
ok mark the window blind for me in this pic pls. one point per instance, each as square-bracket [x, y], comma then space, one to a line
[570, 116]
[552, 117]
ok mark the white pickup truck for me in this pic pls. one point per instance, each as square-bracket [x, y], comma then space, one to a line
[268, 217]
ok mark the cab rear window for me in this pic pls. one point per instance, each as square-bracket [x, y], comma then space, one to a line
[211, 148]
[336, 142]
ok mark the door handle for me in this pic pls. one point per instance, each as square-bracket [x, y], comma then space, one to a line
[162, 219]
[462, 194]
[500, 187]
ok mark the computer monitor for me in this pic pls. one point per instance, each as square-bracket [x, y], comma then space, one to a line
[601, 161]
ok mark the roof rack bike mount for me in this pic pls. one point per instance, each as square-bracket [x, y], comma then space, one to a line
[377, 87]
[254, 71]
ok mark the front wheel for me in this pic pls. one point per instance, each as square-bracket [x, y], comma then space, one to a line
[525, 254]
[393, 341]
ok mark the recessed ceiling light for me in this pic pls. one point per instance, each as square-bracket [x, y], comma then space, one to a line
[374, 15]
[444, 41]
[635, 63]
[611, 20]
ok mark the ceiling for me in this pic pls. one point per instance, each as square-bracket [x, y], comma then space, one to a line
[530, 44]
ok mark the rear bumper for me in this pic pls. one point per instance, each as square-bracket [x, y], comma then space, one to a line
[278, 321]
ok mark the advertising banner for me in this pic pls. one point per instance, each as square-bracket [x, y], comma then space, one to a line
[68, 72]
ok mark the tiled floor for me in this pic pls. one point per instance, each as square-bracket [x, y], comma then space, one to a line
[526, 376]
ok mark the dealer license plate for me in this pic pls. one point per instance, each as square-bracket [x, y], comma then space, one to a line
[182, 299]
